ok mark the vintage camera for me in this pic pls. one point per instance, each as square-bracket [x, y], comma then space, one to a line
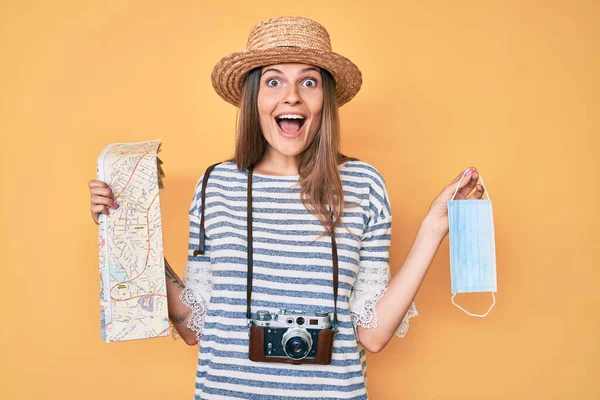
[292, 337]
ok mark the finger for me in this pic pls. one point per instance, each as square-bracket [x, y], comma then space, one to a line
[478, 194]
[100, 209]
[97, 183]
[97, 210]
[464, 182]
[105, 201]
[102, 191]
[470, 185]
[94, 216]
[462, 172]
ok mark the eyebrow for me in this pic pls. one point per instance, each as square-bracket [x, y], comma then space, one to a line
[276, 70]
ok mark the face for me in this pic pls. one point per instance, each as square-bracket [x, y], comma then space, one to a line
[290, 103]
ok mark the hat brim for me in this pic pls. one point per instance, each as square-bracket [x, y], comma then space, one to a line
[228, 74]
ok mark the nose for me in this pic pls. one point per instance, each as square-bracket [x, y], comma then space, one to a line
[292, 96]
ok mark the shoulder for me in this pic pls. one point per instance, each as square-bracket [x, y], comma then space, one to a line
[222, 171]
[362, 171]
[364, 174]
[220, 174]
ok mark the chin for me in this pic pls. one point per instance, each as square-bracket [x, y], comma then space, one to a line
[289, 150]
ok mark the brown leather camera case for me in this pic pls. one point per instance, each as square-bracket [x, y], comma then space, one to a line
[257, 348]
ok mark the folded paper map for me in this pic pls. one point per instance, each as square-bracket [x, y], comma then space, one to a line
[133, 292]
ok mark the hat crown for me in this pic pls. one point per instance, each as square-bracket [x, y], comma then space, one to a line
[289, 32]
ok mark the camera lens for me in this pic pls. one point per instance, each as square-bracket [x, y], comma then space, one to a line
[297, 343]
[300, 321]
[296, 348]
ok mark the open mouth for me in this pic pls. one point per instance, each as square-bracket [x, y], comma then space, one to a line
[290, 124]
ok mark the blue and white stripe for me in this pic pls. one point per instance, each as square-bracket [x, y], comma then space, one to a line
[291, 270]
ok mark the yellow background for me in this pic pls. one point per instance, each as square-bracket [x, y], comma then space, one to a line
[510, 87]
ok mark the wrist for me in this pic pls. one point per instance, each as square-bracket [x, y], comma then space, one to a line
[434, 227]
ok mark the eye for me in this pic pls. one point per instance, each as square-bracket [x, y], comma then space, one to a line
[272, 80]
[313, 80]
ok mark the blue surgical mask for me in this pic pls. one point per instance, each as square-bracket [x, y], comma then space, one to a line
[472, 246]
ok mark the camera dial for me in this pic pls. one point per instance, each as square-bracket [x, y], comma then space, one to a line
[263, 315]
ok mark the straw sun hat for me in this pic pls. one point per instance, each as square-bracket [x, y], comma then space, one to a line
[285, 40]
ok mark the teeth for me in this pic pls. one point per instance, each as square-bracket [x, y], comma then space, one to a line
[291, 116]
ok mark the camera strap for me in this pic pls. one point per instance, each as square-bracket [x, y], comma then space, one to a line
[250, 263]
[201, 248]
[201, 234]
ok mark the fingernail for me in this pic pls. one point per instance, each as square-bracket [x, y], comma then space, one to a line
[468, 172]
[116, 205]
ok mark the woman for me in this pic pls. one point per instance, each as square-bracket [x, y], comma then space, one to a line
[289, 85]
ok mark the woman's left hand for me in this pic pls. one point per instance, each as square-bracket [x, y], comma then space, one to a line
[437, 215]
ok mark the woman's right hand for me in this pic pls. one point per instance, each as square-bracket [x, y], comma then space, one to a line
[102, 198]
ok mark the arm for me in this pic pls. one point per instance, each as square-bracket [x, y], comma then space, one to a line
[404, 286]
[402, 289]
[179, 313]
[373, 283]
[187, 298]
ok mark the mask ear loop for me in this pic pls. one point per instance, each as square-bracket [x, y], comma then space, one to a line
[483, 184]
[475, 315]
[493, 297]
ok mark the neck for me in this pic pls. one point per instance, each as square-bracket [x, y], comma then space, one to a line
[275, 163]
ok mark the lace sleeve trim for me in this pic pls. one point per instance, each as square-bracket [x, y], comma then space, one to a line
[403, 328]
[368, 317]
[196, 320]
